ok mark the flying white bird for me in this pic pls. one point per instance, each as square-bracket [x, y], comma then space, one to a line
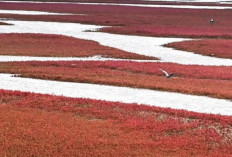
[166, 74]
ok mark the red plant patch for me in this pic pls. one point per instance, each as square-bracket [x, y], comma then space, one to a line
[197, 80]
[43, 125]
[136, 20]
[140, 2]
[58, 46]
[3, 23]
[210, 47]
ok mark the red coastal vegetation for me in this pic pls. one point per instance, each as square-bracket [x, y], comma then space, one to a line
[141, 2]
[197, 80]
[3, 23]
[136, 20]
[211, 47]
[58, 46]
[44, 125]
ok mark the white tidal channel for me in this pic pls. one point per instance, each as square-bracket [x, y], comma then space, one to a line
[149, 46]
[24, 12]
[149, 5]
[162, 6]
[201, 104]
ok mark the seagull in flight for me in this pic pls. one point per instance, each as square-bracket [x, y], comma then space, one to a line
[166, 73]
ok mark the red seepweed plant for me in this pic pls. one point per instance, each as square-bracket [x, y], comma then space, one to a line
[35, 124]
[58, 46]
[210, 47]
[135, 20]
[197, 80]
[4, 23]
[45, 125]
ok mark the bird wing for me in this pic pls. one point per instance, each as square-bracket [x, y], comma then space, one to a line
[165, 72]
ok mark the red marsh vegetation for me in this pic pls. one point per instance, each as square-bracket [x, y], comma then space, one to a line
[138, 2]
[136, 20]
[197, 80]
[58, 46]
[211, 47]
[44, 125]
[3, 23]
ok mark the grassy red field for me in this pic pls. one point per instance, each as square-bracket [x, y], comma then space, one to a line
[58, 46]
[195, 80]
[43, 125]
[3, 23]
[138, 2]
[211, 47]
[136, 20]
